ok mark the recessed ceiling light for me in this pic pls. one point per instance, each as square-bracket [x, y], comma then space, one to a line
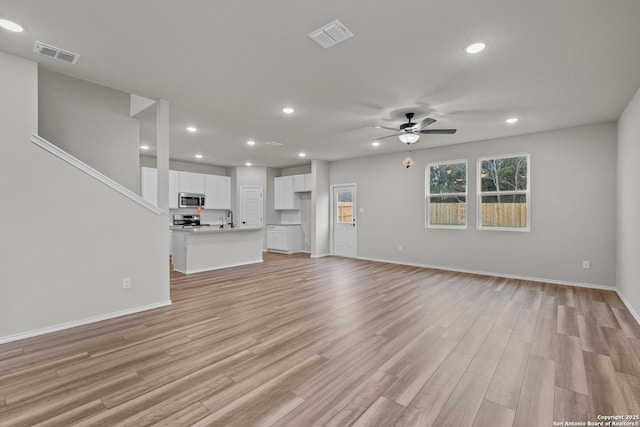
[248, 163]
[376, 143]
[144, 147]
[11, 26]
[192, 129]
[251, 142]
[287, 110]
[302, 154]
[198, 156]
[512, 120]
[475, 47]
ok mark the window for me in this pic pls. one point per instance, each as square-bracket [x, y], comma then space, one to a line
[345, 207]
[447, 194]
[503, 194]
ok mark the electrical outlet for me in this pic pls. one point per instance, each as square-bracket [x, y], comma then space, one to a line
[126, 283]
[400, 248]
[586, 264]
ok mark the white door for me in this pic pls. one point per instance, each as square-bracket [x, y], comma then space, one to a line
[251, 206]
[344, 220]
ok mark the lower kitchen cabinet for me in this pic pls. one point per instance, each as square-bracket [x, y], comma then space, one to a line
[283, 238]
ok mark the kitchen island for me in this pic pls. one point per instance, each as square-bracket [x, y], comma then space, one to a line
[197, 249]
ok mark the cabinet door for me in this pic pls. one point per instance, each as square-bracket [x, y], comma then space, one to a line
[191, 182]
[298, 183]
[174, 189]
[217, 192]
[302, 183]
[149, 185]
[284, 197]
[276, 238]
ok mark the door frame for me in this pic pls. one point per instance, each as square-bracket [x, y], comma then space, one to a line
[332, 215]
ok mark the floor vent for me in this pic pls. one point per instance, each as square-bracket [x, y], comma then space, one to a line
[331, 34]
[55, 52]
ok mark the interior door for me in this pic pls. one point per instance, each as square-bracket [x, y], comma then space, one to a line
[344, 220]
[251, 206]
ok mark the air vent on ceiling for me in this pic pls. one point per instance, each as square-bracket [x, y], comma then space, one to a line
[274, 143]
[55, 52]
[331, 34]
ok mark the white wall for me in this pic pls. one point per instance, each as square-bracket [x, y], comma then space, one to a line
[572, 211]
[76, 240]
[320, 210]
[628, 185]
[90, 122]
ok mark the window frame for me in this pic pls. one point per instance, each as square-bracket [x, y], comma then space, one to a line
[481, 193]
[428, 194]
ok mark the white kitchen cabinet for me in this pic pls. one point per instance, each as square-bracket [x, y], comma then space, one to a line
[284, 198]
[191, 182]
[283, 238]
[217, 192]
[174, 189]
[302, 183]
[149, 185]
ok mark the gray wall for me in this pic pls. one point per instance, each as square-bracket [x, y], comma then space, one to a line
[90, 122]
[54, 272]
[320, 213]
[176, 165]
[628, 185]
[572, 208]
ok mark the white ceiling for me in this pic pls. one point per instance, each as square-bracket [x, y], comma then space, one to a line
[228, 67]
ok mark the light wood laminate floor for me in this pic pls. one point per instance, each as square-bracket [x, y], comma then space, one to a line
[298, 342]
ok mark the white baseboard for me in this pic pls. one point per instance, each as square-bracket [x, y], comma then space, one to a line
[320, 255]
[202, 270]
[489, 273]
[93, 319]
[626, 302]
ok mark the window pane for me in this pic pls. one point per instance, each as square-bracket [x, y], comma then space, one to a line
[504, 174]
[448, 178]
[447, 211]
[504, 211]
[345, 207]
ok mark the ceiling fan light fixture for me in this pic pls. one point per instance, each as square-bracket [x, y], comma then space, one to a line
[409, 138]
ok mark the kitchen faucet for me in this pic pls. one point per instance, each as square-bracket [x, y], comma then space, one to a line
[230, 215]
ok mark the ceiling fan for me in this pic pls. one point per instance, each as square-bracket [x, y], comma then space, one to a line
[410, 132]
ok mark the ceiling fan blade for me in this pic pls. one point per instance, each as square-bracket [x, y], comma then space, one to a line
[387, 128]
[438, 131]
[388, 136]
[423, 124]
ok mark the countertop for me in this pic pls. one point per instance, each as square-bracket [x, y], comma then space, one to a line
[282, 225]
[213, 229]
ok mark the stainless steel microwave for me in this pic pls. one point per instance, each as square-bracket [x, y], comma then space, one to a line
[190, 200]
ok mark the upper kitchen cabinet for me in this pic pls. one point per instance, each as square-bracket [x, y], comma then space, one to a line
[302, 183]
[174, 189]
[191, 182]
[284, 197]
[217, 192]
[149, 185]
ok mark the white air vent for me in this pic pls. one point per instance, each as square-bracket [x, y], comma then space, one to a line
[331, 34]
[274, 144]
[55, 52]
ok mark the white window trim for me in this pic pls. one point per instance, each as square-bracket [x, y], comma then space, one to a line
[428, 195]
[479, 225]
